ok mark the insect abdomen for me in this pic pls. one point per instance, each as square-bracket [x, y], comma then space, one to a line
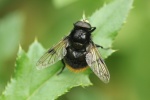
[75, 59]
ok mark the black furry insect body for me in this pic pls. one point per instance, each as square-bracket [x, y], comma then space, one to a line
[77, 51]
[79, 40]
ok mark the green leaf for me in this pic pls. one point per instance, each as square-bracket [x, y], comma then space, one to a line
[28, 83]
[11, 29]
[108, 22]
[31, 84]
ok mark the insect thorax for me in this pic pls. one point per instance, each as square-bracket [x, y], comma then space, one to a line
[79, 38]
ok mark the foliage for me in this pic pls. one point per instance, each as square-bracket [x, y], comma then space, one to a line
[31, 84]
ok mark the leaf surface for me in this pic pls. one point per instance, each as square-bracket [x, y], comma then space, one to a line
[28, 83]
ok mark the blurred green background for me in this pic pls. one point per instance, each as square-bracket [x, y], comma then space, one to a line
[23, 20]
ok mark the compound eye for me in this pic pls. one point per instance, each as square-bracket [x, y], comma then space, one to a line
[82, 24]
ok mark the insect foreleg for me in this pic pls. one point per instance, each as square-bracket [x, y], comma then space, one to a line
[101, 47]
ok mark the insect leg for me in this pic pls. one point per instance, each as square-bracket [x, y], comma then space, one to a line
[62, 67]
[101, 47]
[92, 29]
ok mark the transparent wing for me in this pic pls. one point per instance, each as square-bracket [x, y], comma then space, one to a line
[96, 63]
[53, 55]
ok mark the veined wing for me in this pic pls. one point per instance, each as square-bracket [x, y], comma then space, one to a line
[53, 55]
[96, 63]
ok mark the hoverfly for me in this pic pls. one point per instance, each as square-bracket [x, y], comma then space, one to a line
[77, 51]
